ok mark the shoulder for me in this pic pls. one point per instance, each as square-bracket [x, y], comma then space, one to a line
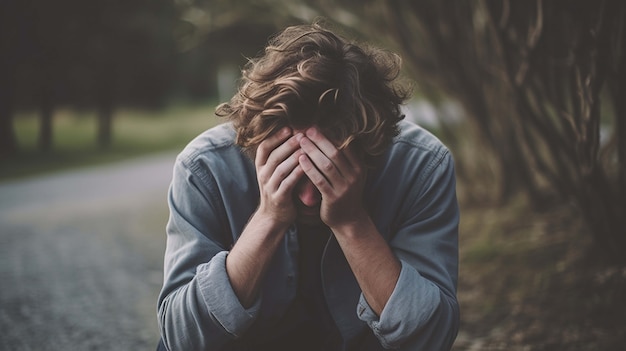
[213, 149]
[416, 147]
[213, 139]
[413, 136]
[414, 158]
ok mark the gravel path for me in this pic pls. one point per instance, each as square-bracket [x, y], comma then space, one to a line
[81, 257]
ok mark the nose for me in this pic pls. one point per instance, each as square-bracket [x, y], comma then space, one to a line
[308, 193]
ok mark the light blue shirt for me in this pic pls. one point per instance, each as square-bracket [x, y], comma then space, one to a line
[411, 197]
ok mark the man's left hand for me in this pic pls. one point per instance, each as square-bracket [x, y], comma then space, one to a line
[339, 176]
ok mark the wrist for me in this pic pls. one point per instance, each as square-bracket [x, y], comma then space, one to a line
[271, 224]
[353, 227]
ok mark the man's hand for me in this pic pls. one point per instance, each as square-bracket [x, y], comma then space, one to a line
[338, 175]
[278, 172]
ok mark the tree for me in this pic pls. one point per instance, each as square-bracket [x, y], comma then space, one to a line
[562, 61]
[216, 38]
[130, 53]
[11, 29]
[86, 54]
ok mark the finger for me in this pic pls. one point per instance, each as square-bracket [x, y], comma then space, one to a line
[266, 147]
[329, 150]
[318, 159]
[284, 170]
[282, 152]
[317, 178]
[289, 183]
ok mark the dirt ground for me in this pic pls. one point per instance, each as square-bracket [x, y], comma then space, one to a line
[81, 257]
[535, 281]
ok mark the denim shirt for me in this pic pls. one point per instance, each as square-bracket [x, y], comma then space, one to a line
[411, 197]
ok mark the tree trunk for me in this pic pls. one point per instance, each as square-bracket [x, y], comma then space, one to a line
[8, 141]
[618, 89]
[604, 212]
[105, 125]
[47, 113]
[106, 104]
[8, 61]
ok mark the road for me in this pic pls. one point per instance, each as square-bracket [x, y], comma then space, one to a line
[81, 257]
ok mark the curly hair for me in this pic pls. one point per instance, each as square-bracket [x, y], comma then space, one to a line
[310, 76]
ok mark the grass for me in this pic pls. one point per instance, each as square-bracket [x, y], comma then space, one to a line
[135, 133]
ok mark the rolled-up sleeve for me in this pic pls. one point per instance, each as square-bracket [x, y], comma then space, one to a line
[197, 306]
[215, 287]
[422, 312]
[391, 327]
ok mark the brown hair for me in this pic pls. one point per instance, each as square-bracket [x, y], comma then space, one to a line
[310, 76]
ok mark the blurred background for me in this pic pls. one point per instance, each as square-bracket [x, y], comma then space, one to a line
[97, 97]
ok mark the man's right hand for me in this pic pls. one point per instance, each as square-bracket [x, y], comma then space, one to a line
[278, 172]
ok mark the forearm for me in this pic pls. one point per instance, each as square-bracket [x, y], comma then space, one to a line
[249, 258]
[373, 263]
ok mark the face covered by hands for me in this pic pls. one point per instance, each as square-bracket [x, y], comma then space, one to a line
[304, 177]
[338, 175]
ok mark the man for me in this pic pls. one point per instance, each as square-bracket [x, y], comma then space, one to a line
[315, 219]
